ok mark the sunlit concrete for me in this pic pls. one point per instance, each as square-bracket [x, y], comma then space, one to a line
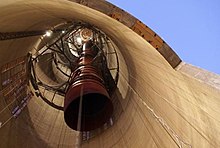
[162, 107]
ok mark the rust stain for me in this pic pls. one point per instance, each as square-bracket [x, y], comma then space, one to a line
[147, 34]
[115, 15]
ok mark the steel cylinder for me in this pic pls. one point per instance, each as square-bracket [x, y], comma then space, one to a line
[87, 90]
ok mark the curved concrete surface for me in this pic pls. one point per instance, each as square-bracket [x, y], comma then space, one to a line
[161, 106]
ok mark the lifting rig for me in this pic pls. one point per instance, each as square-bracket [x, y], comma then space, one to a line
[81, 55]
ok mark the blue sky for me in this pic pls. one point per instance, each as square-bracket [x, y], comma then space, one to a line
[190, 27]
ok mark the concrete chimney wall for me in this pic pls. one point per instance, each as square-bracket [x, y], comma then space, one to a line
[162, 107]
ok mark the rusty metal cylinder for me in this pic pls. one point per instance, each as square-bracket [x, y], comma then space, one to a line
[87, 84]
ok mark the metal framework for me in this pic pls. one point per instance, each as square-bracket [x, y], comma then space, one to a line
[61, 53]
[22, 34]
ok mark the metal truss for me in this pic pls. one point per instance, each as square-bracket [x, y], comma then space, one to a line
[64, 60]
[22, 34]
